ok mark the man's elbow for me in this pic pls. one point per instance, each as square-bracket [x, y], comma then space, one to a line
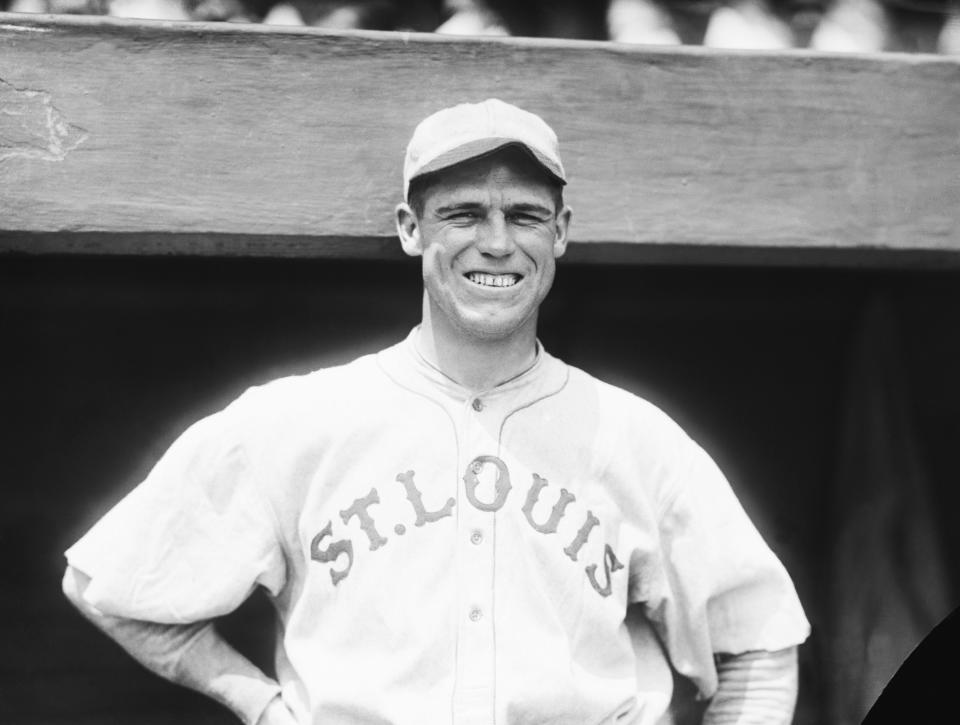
[156, 646]
[74, 584]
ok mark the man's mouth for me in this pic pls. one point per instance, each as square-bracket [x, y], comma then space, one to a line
[493, 280]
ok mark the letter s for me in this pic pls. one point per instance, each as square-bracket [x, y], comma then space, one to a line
[336, 548]
[610, 564]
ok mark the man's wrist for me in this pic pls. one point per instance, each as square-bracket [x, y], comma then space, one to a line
[215, 668]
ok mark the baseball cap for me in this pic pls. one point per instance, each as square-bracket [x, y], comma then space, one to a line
[463, 132]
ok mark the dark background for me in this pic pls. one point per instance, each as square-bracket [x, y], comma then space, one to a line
[104, 361]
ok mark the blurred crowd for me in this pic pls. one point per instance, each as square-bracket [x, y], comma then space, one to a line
[913, 26]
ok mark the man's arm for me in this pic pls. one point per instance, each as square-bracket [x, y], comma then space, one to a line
[192, 655]
[755, 688]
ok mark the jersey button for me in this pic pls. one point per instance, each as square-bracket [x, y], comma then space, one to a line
[477, 404]
[475, 615]
[477, 536]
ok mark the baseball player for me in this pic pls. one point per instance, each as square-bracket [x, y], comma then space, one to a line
[460, 529]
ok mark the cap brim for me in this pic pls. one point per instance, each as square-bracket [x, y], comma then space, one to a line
[484, 147]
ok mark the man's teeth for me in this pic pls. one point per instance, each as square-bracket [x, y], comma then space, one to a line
[493, 280]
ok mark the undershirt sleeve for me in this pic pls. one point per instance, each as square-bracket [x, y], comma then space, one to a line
[755, 688]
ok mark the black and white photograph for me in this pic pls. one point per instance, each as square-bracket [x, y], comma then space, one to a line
[477, 362]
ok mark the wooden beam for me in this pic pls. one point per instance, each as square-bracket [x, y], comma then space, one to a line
[197, 138]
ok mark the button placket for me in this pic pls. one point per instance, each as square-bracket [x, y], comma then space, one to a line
[473, 695]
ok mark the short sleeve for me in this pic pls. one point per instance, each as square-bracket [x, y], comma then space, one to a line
[724, 590]
[191, 541]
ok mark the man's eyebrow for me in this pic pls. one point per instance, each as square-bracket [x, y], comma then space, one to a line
[530, 206]
[519, 207]
[458, 206]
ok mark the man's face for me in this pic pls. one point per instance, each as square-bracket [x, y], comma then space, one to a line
[489, 236]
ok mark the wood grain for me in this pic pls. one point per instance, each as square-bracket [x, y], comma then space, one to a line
[196, 138]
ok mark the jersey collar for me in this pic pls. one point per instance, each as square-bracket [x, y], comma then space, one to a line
[407, 367]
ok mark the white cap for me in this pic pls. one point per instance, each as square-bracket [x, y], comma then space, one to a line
[459, 133]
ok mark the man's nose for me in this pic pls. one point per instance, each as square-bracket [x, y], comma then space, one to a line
[496, 237]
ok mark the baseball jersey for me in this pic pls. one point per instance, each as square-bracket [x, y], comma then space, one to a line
[446, 556]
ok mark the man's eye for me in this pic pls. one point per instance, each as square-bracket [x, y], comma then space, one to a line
[462, 216]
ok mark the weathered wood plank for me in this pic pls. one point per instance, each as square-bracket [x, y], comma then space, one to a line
[122, 137]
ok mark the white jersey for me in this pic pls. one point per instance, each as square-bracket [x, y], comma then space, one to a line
[445, 556]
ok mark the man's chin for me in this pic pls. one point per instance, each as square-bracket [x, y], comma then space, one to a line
[496, 329]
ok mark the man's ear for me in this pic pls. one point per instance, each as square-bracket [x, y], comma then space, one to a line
[408, 229]
[563, 229]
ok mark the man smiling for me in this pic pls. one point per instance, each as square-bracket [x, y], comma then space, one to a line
[460, 529]
[489, 229]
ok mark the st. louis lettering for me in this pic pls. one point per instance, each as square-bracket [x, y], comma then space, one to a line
[344, 546]
[502, 485]
[558, 508]
[581, 537]
[610, 564]
[359, 509]
[416, 500]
